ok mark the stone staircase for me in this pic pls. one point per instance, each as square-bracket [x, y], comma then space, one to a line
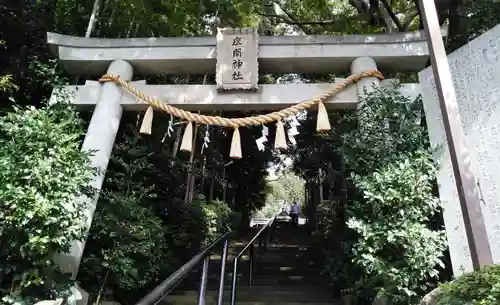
[283, 275]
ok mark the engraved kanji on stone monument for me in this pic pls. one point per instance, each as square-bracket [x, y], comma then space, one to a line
[477, 84]
[237, 65]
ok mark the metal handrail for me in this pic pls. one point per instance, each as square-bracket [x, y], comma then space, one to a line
[171, 282]
[249, 245]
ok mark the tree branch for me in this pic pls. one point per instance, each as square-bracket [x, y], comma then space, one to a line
[410, 20]
[293, 22]
[392, 15]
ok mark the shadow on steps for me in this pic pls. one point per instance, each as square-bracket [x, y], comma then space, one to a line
[284, 274]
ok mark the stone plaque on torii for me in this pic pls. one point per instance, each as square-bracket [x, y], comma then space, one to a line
[237, 66]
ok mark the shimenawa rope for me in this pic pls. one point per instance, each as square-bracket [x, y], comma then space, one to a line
[280, 139]
[240, 122]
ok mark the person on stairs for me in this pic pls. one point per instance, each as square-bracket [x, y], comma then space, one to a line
[295, 212]
[285, 209]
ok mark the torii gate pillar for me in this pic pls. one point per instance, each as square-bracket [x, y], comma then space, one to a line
[100, 139]
[360, 65]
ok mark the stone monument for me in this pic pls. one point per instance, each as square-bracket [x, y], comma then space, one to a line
[475, 69]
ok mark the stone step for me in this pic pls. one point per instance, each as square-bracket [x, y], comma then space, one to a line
[283, 275]
[213, 282]
[265, 268]
[285, 281]
[265, 289]
[264, 265]
[227, 302]
[286, 273]
[260, 269]
[214, 302]
[243, 282]
[258, 279]
[286, 303]
[256, 293]
[254, 296]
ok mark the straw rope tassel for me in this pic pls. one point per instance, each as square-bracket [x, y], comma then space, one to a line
[280, 141]
[147, 121]
[187, 139]
[322, 122]
[235, 152]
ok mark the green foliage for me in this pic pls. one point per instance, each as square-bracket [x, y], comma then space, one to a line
[472, 19]
[476, 288]
[192, 226]
[287, 187]
[218, 217]
[400, 191]
[484, 15]
[396, 249]
[185, 225]
[394, 177]
[126, 247]
[390, 127]
[138, 236]
[23, 27]
[196, 224]
[42, 171]
[377, 237]
[7, 85]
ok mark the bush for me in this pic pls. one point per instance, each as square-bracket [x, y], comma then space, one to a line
[126, 246]
[393, 202]
[193, 226]
[217, 217]
[395, 247]
[126, 249]
[475, 288]
[141, 233]
[42, 171]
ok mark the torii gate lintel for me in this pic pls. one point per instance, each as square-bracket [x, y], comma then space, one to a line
[394, 52]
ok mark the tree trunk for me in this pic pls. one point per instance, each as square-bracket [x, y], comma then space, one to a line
[189, 183]
[458, 32]
[211, 190]
[93, 18]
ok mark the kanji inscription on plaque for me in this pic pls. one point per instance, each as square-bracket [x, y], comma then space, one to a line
[237, 65]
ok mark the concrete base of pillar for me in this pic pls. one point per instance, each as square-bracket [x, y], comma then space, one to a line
[347, 300]
[67, 262]
[82, 297]
[78, 296]
[431, 297]
[381, 301]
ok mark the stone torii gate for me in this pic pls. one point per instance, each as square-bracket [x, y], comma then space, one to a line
[198, 55]
[401, 52]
